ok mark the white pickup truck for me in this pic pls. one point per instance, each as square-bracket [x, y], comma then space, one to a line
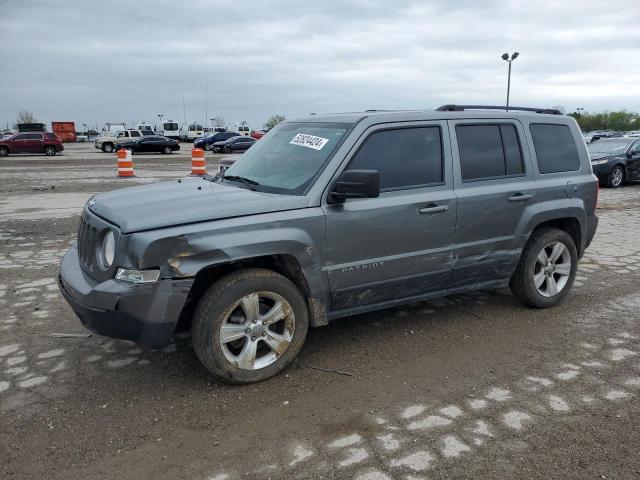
[107, 143]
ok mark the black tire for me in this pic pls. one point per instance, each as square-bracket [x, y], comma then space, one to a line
[107, 147]
[207, 147]
[214, 307]
[616, 177]
[227, 149]
[4, 152]
[49, 150]
[522, 281]
[167, 150]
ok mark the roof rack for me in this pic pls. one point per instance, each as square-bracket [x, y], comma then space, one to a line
[462, 108]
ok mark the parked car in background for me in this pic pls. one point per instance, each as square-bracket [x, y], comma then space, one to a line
[151, 144]
[207, 142]
[169, 129]
[31, 142]
[188, 133]
[243, 130]
[145, 127]
[234, 144]
[615, 160]
[257, 134]
[108, 143]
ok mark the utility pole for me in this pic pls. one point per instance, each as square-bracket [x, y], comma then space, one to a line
[509, 59]
[206, 103]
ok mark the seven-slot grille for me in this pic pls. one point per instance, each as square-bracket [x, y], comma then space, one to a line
[87, 239]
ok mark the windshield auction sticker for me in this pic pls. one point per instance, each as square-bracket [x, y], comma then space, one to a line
[309, 141]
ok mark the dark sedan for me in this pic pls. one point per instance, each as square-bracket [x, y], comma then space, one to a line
[234, 144]
[151, 144]
[615, 160]
[206, 143]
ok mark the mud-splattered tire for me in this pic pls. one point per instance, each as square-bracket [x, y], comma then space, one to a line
[541, 281]
[236, 319]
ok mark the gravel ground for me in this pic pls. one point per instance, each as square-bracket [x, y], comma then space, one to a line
[471, 386]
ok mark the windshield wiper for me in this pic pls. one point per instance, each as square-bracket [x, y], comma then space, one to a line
[245, 180]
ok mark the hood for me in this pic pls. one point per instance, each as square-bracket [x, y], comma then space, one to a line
[187, 201]
[596, 156]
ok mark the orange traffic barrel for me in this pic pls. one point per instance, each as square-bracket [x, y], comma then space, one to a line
[125, 163]
[198, 165]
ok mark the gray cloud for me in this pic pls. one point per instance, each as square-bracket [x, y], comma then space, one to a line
[123, 61]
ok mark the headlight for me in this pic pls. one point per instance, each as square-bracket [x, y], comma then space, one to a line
[108, 249]
[137, 276]
[599, 162]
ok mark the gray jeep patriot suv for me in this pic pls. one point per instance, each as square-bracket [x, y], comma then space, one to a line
[332, 216]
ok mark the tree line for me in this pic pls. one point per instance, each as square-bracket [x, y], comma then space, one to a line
[621, 121]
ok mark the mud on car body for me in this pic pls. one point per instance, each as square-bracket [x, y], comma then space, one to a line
[334, 216]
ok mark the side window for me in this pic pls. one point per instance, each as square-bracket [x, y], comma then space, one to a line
[404, 158]
[489, 151]
[121, 134]
[135, 134]
[555, 148]
[22, 136]
[34, 136]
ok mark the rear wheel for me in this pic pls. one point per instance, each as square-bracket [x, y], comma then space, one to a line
[4, 151]
[546, 270]
[49, 150]
[249, 325]
[616, 177]
[107, 147]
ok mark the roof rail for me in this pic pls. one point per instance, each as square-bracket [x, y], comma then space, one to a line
[462, 108]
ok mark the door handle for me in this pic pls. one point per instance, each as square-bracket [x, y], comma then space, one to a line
[433, 209]
[519, 197]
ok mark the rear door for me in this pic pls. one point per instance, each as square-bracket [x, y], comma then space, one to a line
[398, 245]
[494, 183]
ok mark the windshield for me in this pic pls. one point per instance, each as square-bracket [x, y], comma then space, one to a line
[289, 157]
[610, 147]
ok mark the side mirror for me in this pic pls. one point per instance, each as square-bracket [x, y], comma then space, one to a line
[356, 184]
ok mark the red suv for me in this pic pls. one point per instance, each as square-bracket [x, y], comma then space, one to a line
[31, 142]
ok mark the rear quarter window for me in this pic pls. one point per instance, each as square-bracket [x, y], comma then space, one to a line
[555, 148]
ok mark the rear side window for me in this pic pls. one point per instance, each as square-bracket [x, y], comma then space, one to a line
[489, 151]
[404, 158]
[555, 148]
[51, 136]
[135, 134]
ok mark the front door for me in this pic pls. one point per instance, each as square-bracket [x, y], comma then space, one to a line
[399, 245]
[494, 184]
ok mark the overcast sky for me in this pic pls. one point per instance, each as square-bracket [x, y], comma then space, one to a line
[129, 61]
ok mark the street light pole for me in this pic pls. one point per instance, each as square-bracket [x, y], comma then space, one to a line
[509, 59]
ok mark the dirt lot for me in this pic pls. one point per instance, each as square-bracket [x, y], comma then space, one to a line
[472, 386]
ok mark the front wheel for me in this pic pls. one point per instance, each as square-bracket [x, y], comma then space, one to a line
[207, 146]
[546, 270]
[249, 325]
[107, 148]
[49, 150]
[227, 149]
[616, 177]
[167, 150]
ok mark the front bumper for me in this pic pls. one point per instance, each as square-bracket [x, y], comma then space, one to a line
[144, 313]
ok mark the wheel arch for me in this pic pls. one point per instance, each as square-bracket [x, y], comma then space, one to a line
[571, 225]
[286, 265]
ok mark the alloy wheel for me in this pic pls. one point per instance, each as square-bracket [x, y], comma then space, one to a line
[552, 269]
[257, 330]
